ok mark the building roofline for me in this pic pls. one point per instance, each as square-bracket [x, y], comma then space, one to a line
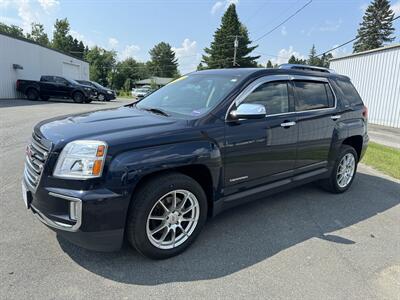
[367, 52]
[23, 39]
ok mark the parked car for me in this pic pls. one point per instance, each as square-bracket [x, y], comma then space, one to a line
[140, 93]
[154, 171]
[56, 87]
[103, 93]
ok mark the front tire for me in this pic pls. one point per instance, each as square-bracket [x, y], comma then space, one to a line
[166, 216]
[101, 97]
[78, 97]
[343, 172]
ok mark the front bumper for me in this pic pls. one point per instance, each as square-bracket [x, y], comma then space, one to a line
[89, 219]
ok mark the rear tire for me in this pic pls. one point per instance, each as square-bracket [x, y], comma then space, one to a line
[78, 97]
[153, 207]
[32, 94]
[343, 171]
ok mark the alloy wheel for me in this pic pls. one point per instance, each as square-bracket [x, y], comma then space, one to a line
[172, 219]
[345, 170]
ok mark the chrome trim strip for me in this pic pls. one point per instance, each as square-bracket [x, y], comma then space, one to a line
[60, 225]
[252, 86]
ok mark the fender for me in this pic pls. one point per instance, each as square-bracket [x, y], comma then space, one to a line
[129, 167]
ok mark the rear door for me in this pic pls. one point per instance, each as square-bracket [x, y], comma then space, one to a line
[317, 116]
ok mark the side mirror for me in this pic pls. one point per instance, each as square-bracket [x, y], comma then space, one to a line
[249, 111]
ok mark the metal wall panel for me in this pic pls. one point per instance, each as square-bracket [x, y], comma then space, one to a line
[376, 76]
[35, 60]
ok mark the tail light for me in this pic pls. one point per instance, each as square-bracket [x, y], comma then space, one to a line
[365, 112]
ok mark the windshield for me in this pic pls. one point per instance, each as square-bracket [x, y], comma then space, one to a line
[190, 96]
[98, 85]
[71, 80]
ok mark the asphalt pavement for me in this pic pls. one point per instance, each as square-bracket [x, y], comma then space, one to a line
[300, 244]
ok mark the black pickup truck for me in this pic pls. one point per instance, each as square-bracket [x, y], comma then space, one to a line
[152, 172]
[56, 87]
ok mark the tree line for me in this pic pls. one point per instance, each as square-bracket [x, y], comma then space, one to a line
[231, 47]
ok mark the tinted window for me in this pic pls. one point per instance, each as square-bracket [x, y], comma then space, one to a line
[350, 95]
[273, 95]
[313, 95]
[60, 80]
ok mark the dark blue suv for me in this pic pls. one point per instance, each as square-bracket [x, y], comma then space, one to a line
[154, 171]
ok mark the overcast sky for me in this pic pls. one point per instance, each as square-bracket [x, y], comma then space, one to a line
[133, 27]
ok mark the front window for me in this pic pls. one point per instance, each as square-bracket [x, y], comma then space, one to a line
[190, 96]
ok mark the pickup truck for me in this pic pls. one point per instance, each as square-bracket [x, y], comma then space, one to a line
[56, 87]
[152, 172]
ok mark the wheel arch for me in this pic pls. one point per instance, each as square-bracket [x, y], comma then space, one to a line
[355, 141]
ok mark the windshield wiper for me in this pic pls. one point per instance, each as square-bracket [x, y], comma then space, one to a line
[156, 111]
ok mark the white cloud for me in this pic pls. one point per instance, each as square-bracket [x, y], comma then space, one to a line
[284, 55]
[187, 55]
[48, 5]
[27, 15]
[129, 51]
[283, 30]
[396, 8]
[4, 3]
[222, 5]
[113, 42]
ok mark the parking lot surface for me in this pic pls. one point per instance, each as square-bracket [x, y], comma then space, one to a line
[300, 244]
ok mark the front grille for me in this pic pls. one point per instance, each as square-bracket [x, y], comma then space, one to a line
[36, 156]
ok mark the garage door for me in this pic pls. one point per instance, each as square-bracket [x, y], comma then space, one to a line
[71, 71]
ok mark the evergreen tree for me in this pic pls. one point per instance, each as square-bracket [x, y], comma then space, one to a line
[38, 35]
[221, 51]
[163, 61]
[297, 61]
[376, 27]
[269, 64]
[313, 60]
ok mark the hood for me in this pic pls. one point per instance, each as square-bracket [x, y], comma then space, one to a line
[118, 125]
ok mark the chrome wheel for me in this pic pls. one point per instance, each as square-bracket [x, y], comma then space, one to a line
[345, 170]
[172, 219]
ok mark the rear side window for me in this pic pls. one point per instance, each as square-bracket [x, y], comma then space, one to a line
[273, 95]
[350, 95]
[313, 95]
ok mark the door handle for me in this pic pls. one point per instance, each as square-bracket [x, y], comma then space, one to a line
[335, 117]
[288, 124]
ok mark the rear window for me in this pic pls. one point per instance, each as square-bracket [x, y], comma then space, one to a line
[313, 95]
[350, 94]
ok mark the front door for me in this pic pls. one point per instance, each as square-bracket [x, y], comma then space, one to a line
[262, 150]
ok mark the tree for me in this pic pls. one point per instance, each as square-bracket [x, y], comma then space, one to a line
[61, 38]
[313, 60]
[376, 28]
[269, 64]
[221, 51]
[12, 30]
[298, 61]
[163, 61]
[101, 65]
[129, 69]
[38, 35]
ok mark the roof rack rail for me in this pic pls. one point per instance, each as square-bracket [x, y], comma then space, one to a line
[305, 68]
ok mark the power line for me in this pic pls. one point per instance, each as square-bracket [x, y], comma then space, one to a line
[348, 42]
[283, 22]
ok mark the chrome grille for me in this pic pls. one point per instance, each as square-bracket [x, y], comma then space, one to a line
[36, 156]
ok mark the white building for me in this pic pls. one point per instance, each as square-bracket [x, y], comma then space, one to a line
[24, 59]
[376, 76]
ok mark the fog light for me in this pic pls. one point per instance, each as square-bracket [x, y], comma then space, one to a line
[73, 210]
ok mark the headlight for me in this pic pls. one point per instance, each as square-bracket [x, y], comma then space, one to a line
[109, 92]
[81, 160]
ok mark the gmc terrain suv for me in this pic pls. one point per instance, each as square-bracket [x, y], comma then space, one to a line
[154, 171]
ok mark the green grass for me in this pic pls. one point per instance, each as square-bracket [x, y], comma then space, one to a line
[383, 158]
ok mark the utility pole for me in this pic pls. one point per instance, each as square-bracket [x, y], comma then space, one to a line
[235, 45]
